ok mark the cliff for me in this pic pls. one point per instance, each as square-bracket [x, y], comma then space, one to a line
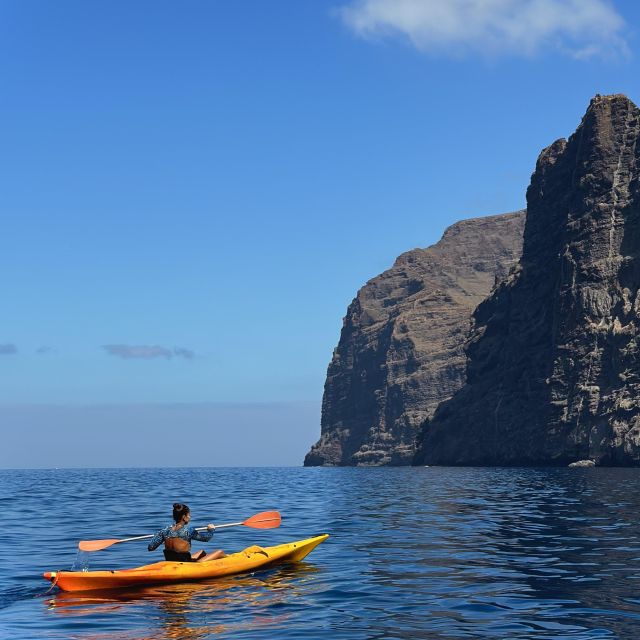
[553, 361]
[401, 348]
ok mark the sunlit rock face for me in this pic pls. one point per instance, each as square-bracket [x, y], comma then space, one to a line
[401, 348]
[553, 372]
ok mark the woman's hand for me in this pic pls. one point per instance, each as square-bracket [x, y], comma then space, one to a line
[211, 527]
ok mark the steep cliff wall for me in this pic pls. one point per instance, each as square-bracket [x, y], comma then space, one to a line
[401, 347]
[553, 370]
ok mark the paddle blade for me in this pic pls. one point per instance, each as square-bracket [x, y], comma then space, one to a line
[95, 545]
[264, 520]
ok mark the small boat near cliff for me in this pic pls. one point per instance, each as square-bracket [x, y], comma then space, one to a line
[249, 559]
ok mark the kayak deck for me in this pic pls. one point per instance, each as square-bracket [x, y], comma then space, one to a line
[164, 572]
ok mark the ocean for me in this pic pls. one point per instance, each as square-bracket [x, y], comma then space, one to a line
[438, 553]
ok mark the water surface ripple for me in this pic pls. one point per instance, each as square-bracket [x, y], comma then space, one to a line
[414, 553]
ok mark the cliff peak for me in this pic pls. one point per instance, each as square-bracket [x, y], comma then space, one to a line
[553, 371]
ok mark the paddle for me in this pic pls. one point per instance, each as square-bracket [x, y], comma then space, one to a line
[264, 520]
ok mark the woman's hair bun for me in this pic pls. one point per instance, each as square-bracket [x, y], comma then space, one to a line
[179, 511]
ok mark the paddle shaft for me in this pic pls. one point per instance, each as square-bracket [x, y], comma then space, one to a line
[265, 520]
[218, 526]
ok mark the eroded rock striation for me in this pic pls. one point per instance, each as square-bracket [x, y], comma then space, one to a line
[401, 348]
[553, 371]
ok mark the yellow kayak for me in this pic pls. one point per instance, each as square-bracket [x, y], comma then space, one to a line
[164, 572]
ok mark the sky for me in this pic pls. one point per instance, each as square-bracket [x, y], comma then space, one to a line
[191, 194]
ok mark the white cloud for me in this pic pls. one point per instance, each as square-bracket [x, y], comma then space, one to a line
[579, 28]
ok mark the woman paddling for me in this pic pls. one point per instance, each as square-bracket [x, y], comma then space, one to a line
[177, 538]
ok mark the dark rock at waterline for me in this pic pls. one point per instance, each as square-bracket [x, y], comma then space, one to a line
[401, 348]
[553, 371]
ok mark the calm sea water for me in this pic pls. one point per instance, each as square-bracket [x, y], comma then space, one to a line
[413, 553]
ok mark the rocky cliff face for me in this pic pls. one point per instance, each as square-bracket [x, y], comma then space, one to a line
[401, 348]
[553, 370]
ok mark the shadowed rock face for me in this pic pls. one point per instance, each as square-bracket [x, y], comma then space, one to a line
[401, 348]
[553, 370]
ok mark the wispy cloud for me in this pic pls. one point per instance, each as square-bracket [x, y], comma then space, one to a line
[147, 352]
[579, 28]
[184, 353]
[44, 350]
[8, 349]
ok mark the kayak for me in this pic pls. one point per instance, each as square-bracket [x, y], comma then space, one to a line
[164, 572]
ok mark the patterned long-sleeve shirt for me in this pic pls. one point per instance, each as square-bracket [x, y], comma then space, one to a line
[187, 533]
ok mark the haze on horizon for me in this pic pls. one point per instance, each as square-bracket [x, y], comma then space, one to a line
[193, 194]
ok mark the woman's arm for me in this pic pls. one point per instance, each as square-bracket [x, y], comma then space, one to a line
[202, 536]
[157, 540]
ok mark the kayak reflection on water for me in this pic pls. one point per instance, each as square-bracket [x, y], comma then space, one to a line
[177, 538]
[195, 610]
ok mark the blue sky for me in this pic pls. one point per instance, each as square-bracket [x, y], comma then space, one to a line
[193, 192]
